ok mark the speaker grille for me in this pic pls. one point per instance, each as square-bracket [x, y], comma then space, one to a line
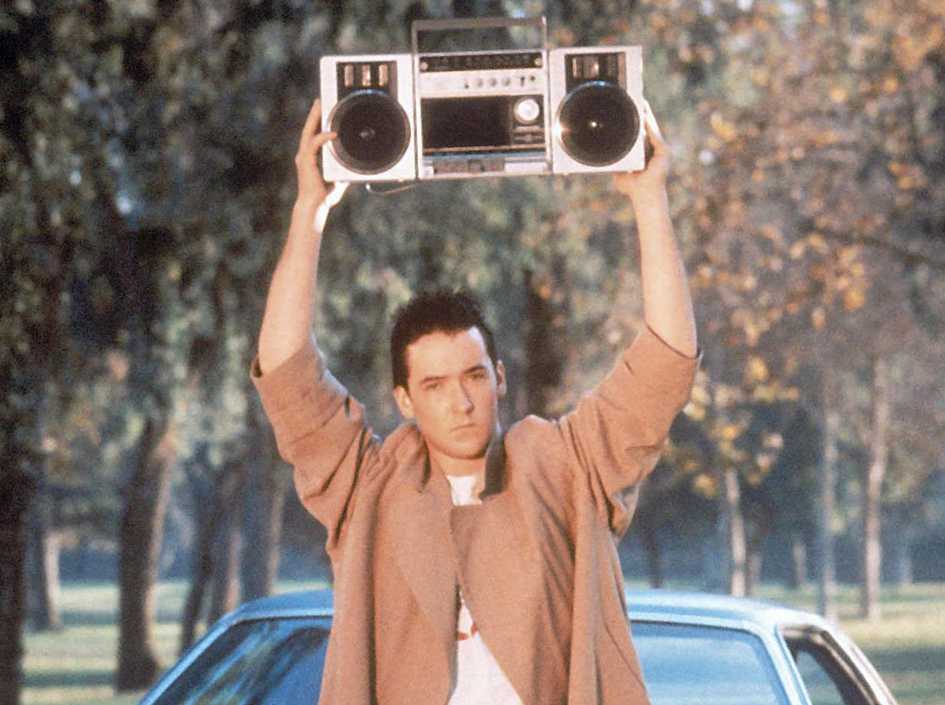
[598, 123]
[373, 131]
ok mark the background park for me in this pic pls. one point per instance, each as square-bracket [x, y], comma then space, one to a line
[147, 179]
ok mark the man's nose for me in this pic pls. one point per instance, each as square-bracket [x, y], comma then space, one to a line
[462, 399]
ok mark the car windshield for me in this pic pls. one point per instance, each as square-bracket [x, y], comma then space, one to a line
[280, 661]
[684, 664]
[263, 662]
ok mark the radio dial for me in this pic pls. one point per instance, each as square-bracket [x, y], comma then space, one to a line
[527, 110]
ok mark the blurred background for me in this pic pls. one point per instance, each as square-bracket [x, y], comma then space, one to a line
[147, 180]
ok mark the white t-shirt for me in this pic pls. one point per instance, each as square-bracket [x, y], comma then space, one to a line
[479, 679]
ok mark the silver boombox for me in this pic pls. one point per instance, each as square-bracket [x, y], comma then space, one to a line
[503, 112]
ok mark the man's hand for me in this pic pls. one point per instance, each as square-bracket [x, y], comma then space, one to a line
[651, 182]
[312, 187]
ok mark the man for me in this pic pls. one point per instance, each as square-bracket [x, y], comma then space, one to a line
[474, 565]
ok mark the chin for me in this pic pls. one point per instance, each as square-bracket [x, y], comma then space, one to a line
[467, 451]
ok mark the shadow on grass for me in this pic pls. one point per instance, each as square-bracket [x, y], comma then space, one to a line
[87, 618]
[907, 660]
[92, 618]
[69, 679]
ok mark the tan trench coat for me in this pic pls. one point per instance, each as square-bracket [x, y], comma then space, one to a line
[536, 561]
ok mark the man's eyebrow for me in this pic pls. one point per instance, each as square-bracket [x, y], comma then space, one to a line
[439, 378]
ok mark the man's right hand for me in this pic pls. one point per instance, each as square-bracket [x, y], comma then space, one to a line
[312, 187]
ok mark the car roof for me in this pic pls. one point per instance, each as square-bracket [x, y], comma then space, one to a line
[725, 609]
[643, 605]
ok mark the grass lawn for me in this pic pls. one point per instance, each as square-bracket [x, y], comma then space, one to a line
[75, 666]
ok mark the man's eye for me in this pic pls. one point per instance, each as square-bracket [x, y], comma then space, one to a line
[432, 386]
[478, 375]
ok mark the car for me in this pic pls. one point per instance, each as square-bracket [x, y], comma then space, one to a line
[695, 649]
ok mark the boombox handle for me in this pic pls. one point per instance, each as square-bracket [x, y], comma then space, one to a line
[474, 23]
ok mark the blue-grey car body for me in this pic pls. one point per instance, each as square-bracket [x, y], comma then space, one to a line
[766, 622]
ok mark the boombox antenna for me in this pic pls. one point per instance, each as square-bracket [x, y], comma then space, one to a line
[476, 23]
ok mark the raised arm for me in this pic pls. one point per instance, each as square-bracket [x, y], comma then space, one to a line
[290, 305]
[667, 304]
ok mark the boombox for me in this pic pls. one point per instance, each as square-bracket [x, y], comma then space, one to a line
[447, 114]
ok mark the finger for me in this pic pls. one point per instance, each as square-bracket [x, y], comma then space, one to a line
[312, 121]
[320, 139]
[651, 119]
[311, 146]
[653, 131]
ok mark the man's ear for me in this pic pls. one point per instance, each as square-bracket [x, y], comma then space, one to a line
[404, 402]
[500, 383]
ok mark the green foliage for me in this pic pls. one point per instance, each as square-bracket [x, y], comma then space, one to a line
[147, 180]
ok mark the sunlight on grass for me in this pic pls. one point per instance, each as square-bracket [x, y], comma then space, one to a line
[76, 666]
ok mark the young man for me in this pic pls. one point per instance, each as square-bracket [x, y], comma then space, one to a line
[472, 564]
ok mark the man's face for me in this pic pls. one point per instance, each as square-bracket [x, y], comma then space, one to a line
[452, 392]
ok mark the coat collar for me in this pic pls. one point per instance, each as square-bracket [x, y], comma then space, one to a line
[411, 452]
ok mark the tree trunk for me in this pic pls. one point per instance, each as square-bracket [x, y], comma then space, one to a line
[225, 585]
[224, 594]
[732, 534]
[201, 568]
[654, 554]
[753, 573]
[798, 577]
[872, 491]
[904, 531]
[142, 525]
[761, 529]
[826, 603]
[43, 570]
[16, 490]
[267, 487]
[712, 563]
[543, 343]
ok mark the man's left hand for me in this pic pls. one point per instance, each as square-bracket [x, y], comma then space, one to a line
[651, 182]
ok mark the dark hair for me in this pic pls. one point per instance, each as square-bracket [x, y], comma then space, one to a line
[439, 311]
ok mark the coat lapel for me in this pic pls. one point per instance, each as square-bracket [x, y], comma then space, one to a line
[424, 554]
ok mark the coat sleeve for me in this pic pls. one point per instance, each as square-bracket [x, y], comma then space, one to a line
[619, 429]
[320, 430]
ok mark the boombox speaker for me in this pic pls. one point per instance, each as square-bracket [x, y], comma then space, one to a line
[596, 94]
[368, 101]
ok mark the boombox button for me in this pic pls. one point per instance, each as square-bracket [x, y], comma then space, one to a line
[474, 166]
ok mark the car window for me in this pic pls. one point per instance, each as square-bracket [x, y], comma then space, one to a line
[828, 677]
[695, 665]
[260, 662]
[820, 687]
